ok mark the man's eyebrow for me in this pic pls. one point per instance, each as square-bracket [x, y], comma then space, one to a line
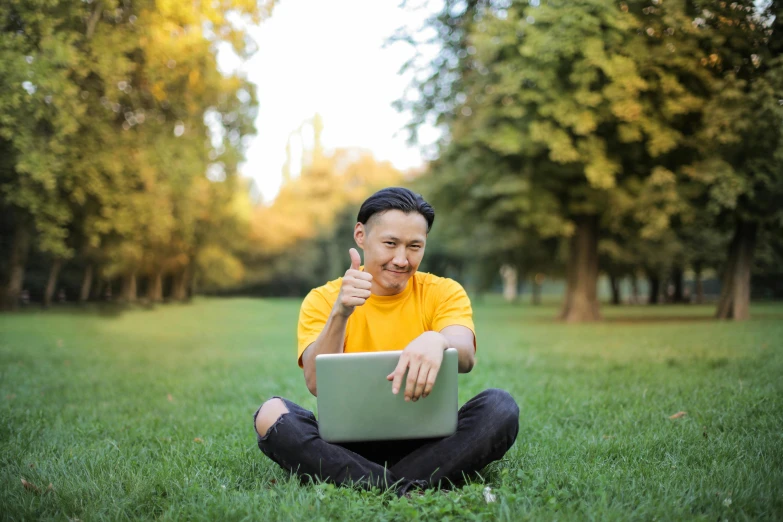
[395, 238]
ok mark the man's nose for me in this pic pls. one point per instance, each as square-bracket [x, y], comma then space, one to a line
[400, 259]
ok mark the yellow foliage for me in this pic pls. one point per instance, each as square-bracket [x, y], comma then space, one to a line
[629, 133]
[220, 267]
[627, 110]
[600, 170]
[585, 123]
[661, 176]
[193, 78]
[307, 205]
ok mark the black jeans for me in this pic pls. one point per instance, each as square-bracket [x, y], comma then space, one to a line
[487, 427]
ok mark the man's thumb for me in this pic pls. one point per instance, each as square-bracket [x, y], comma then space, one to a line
[356, 261]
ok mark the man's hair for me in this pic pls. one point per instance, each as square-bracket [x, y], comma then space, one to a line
[396, 198]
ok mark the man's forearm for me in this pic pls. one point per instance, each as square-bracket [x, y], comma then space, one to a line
[463, 343]
[331, 340]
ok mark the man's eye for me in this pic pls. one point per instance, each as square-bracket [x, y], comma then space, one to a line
[415, 247]
[388, 243]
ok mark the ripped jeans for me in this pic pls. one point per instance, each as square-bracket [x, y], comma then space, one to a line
[487, 427]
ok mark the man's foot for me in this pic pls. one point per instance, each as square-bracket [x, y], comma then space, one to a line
[410, 486]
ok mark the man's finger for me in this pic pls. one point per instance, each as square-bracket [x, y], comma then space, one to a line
[362, 276]
[358, 292]
[421, 382]
[353, 302]
[356, 261]
[431, 376]
[360, 283]
[399, 373]
[413, 376]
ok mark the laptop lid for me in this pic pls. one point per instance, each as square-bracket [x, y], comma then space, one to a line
[355, 401]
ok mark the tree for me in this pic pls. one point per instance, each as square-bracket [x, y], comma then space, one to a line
[39, 110]
[742, 173]
[574, 115]
[302, 238]
[103, 113]
[462, 245]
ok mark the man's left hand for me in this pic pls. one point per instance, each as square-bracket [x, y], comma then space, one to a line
[422, 358]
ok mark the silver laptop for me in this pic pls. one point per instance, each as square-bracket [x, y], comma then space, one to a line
[355, 401]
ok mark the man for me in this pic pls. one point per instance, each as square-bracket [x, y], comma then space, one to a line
[388, 305]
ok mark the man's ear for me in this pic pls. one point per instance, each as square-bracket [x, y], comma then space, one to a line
[359, 236]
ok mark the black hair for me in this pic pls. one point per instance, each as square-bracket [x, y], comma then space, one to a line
[396, 198]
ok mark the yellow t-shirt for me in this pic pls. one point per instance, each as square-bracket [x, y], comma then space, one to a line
[388, 323]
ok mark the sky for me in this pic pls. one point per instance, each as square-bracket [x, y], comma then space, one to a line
[328, 57]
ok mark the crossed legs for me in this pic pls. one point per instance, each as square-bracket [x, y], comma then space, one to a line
[487, 427]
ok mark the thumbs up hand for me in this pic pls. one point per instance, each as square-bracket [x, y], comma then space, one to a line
[355, 288]
[356, 261]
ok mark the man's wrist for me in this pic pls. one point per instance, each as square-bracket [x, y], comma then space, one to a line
[339, 313]
[444, 341]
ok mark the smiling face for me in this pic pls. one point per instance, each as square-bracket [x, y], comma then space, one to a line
[393, 244]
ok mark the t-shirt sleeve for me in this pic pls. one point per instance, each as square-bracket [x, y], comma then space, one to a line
[313, 316]
[453, 308]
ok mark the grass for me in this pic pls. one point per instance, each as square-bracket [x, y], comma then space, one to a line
[147, 414]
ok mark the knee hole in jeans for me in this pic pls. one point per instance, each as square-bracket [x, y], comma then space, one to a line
[269, 413]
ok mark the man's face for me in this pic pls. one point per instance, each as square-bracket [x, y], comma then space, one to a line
[393, 244]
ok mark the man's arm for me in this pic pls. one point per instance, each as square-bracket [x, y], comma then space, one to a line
[424, 355]
[331, 340]
[422, 358]
[354, 291]
[461, 338]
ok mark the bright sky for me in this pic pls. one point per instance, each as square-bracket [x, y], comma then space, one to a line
[327, 57]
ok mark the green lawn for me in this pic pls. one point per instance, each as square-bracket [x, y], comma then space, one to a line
[147, 414]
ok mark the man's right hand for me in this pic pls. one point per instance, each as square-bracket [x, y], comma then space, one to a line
[355, 288]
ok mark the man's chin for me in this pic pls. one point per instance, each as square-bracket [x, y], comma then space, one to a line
[394, 285]
[397, 283]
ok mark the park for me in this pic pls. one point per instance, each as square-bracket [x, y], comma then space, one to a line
[148, 414]
[177, 178]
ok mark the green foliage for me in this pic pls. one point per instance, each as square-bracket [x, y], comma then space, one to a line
[654, 116]
[578, 109]
[742, 135]
[111, 116]
[39, 110]
[149, 415]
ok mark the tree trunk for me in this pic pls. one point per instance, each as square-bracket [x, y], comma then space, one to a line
[179, 290]
[510, 283]
[581, 302]
[188, 285]
[51, 284]
[655, 288]
[177, 286]
[84, 293]
[16, 266]
[699, 283]
[100, 286]
[734, 300]
[155, 288]
[634, 289]
[128, 293]
[615, 283]
[678, 278]
[535, 298]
